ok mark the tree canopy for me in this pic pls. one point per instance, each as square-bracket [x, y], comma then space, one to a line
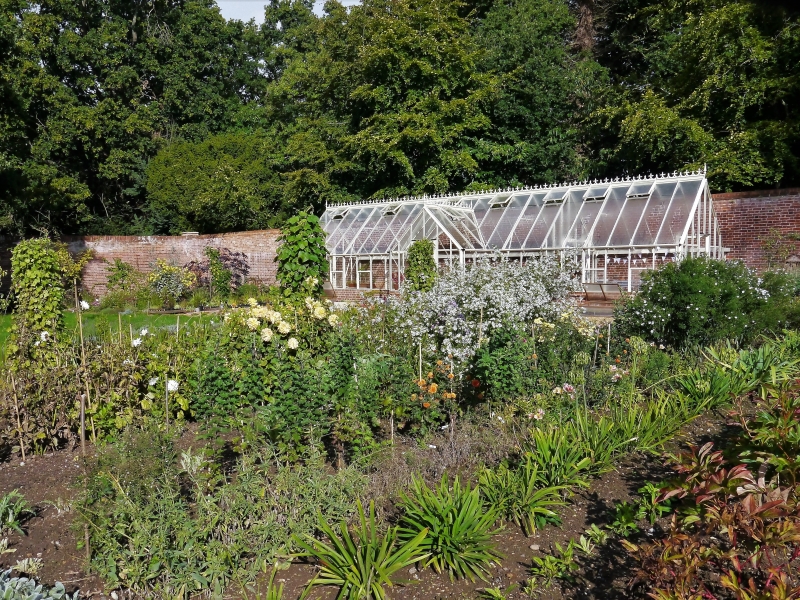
[155, 116]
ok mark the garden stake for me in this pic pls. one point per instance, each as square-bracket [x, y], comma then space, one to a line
[420, 360]
[391, 426]
[130, 327]
[19, 423]
[166, 396]
[177, 327]
[119, 319]
[85, 376]
[608, 340]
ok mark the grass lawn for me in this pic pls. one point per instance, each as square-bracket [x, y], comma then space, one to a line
[98, 320]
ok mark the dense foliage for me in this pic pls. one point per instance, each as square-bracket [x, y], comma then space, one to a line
[702, 301]
[164, 117]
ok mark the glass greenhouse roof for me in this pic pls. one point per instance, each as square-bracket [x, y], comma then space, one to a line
[667, 211]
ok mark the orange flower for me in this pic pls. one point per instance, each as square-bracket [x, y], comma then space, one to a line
[616, 360]
[450, 375]
[433, 388]
[421, 382]
[624, 351]
[426, 404]
[627, 340]
[534, 356]
[413, 396]
[476, 383]
[430, 375]
[438, 362]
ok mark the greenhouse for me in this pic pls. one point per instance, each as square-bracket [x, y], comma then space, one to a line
[611, 230]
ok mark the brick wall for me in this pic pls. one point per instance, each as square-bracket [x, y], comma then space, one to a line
[142, 251]
[746, 219]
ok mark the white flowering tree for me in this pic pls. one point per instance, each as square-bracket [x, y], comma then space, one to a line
[466, 306]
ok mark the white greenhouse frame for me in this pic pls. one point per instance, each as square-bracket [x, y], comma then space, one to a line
[614, 229]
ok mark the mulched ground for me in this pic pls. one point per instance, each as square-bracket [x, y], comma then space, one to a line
[47, 482]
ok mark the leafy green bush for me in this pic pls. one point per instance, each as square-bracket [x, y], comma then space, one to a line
[22, 588]
[519, 496]
[363, 564]
[700, 301]
[163, 525]
[170, 282]
[302, 257]
[420, 271]
[459, 527]
[36, 282]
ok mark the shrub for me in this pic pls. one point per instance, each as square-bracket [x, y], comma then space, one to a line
[459, 526]
[465, 308]
[519, 496]
[22, 588]
[36, 282]
[699, 301]
[302, 257]
[363, 564]
[170, 282]
[221, 273]
[420, 272]
[158, 527]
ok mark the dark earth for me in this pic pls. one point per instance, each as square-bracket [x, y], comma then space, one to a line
[48, 481]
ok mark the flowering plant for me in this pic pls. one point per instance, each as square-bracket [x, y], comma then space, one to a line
[465, 308]
[170, 282]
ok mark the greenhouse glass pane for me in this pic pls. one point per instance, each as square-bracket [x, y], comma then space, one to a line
[342, 225]
[456, 229]
[526, 221]
[627, 222]
[579, 233]
[511, 213]
[480, 207]
[596, 192]
[640, 189]
[397, 227]
[494, 215]
[364, 241]
[563, 223]
[654, 214]
[608, 215]
[357, 218]
[546, 217]
[679, 212]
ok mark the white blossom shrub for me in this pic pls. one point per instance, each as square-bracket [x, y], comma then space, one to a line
[465, 307]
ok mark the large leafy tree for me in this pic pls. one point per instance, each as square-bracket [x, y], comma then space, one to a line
[96, 86]
[547, 89]
[389, 102]
[227, 182]
[702, 82]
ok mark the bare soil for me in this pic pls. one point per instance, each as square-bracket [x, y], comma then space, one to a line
[48, 484]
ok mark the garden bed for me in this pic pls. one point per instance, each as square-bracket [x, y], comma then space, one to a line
[49, 483]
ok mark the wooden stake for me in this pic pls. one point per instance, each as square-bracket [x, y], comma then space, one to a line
[178, 327]
[420, 360]
[166, 396]
[19, 422]
[84, 399]
[608, 340]
[119, 319]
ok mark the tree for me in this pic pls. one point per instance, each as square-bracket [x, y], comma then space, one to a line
[699, 83]
[227, 182]
[546, 90]
[389, 103]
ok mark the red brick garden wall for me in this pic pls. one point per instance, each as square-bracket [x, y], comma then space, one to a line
[142, 252]
[746, 219]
